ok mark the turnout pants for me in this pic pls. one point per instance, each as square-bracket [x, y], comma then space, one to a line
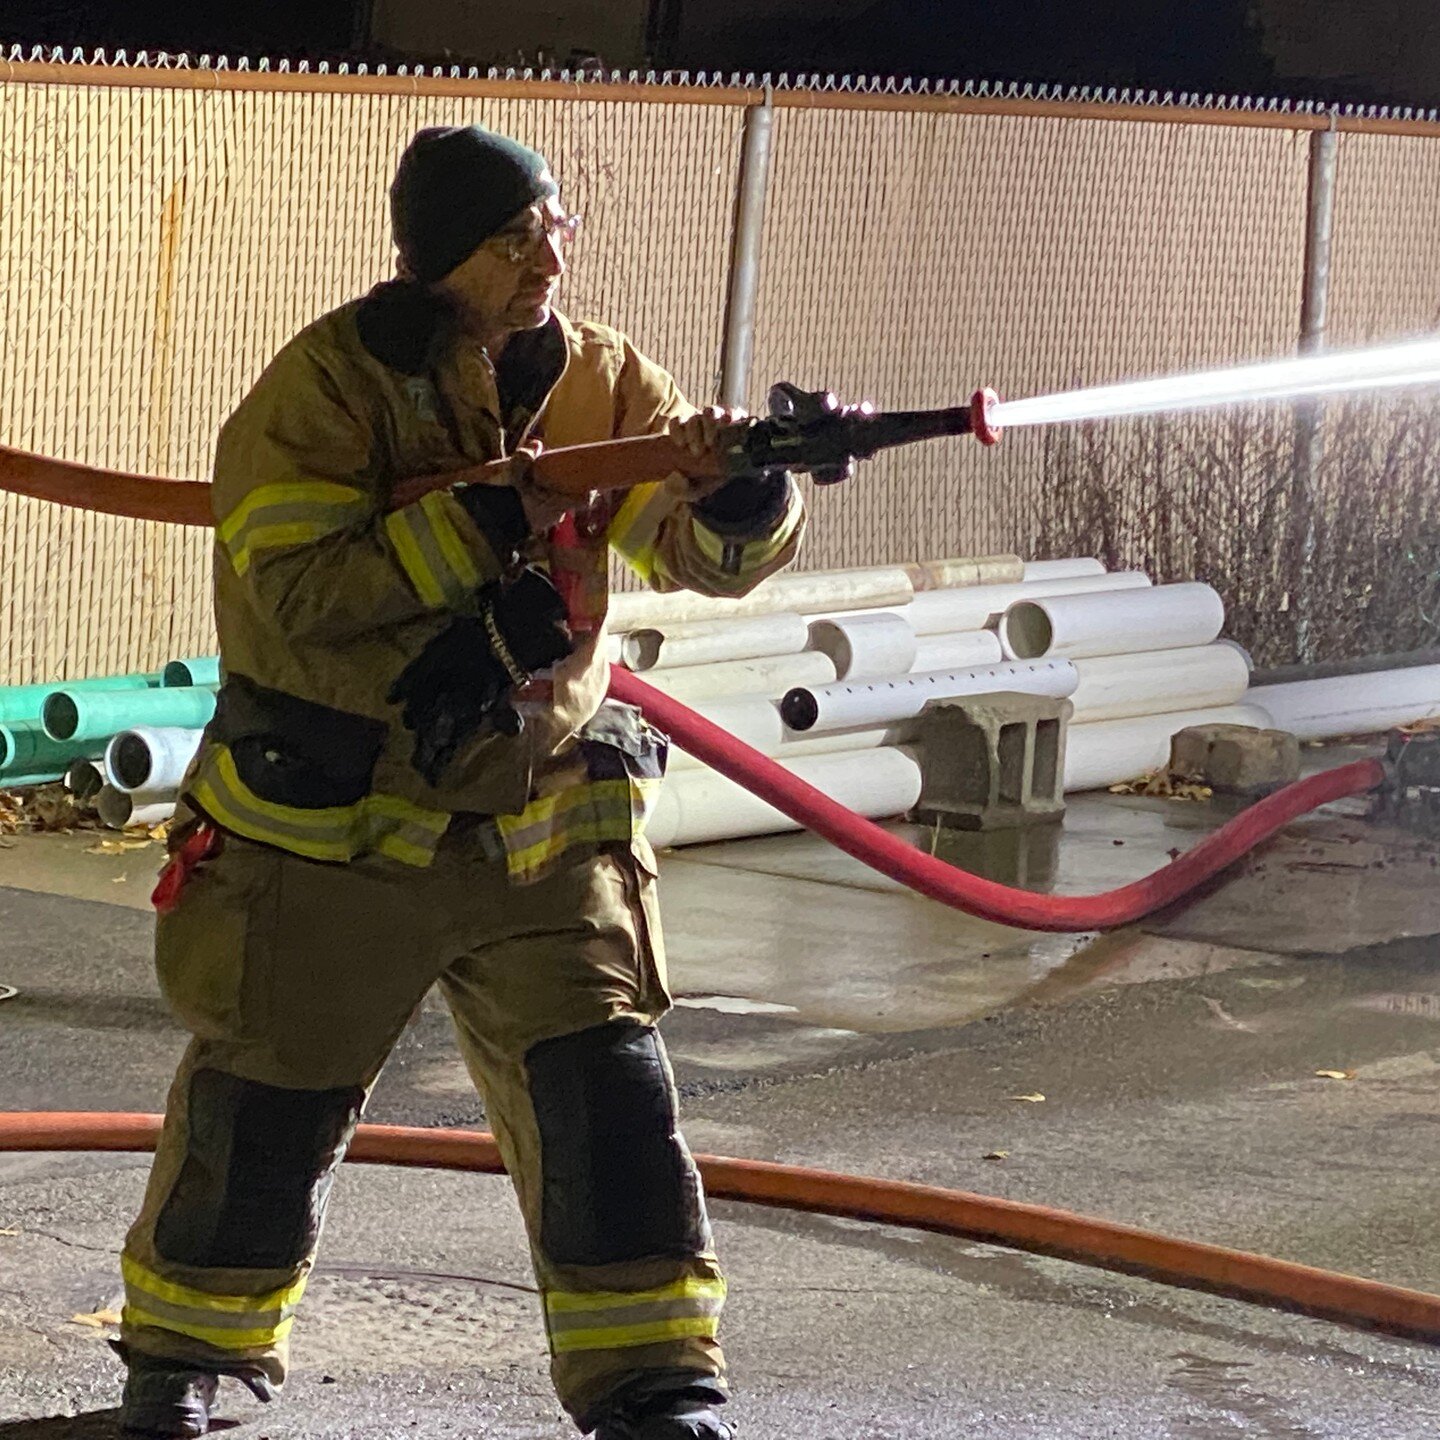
[296, 978]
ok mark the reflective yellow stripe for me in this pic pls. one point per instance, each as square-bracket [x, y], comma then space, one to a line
[260, 1339]
[275, 516]
[406, 851]
[755, 553]
[626, 1337]
[434, 554]
[637, 524]
[591, 812]
[136, 1274]
[452, 547]
[326, 494]
[407, 547]
[278, 537]
[570, 1302]
[388, 824]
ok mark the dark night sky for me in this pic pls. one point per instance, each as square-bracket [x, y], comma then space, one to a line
[1200, 45]
[1190, 44]
[300, 28]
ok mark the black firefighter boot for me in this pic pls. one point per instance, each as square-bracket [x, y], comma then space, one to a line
[171, 1400]
[666, 1408]
[163, 1399]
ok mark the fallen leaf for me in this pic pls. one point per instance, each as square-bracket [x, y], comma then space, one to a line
[45, 808]
[1335, 1074]
[1164, 786]
[996, 1155]
[117, 847]
[1033, 1098]
[98, 1320]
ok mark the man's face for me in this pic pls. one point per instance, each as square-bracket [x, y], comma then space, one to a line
[509, 283]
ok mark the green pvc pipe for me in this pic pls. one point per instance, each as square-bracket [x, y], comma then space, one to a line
[24, 777]
[28, 756]
[203, 670]
[99, 714]
[25, 702]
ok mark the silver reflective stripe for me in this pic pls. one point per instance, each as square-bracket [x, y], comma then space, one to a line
[185, 1315]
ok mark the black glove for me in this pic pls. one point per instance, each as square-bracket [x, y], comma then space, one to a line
[745, 508]
[464, 677]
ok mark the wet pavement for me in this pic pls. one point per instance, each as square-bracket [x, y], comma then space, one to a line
[826, 1017]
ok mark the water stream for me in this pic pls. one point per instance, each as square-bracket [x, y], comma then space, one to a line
[1415, 362]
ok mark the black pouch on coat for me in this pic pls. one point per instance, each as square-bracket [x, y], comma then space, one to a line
[295, 752]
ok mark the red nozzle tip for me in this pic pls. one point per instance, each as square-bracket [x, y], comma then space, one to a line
[981, 403]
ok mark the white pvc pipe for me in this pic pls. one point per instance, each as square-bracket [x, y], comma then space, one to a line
[1118, 687]
[939, 612]
[885, 702]
[1166, 617]
[833, 742]
[701, 642]
[122, 809]
[961, 651]
[1062, 569]
[1353, 704]
[150, 757]
[770, 676]
[866, 647]
[1113, 751]
[822, 742]
[967, 570]
[700, 805]
[754, 720]
[807, 593]
[1240, 650]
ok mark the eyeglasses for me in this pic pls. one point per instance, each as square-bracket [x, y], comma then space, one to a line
[520, 245]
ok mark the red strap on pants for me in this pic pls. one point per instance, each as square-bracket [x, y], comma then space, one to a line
[203, 843]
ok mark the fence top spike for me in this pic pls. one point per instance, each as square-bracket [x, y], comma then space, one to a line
[1051, 92]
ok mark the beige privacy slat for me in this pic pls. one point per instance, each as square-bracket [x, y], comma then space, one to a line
[910, 258]
[1386, 276]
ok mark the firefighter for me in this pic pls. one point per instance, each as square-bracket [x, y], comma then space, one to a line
[411, 780]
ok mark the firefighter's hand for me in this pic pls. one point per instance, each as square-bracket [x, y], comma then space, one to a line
[462, 682]
[703, 436]
[544, 509]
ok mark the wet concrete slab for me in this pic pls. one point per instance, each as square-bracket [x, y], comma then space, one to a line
[825, 1017]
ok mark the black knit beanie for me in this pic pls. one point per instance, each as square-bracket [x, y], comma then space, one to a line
[456, 186]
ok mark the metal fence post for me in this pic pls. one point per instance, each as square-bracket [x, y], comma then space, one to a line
[1314, 312]
[1319, 233]
[738, 347]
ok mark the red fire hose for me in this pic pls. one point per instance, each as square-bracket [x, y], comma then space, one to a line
[1038, 1229]
[571, 470]
[987, 899]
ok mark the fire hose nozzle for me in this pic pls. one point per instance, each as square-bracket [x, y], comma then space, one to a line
[982, 403]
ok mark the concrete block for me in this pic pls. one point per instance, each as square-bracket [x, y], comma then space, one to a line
[992, 762]
[1236, 759]
[1412, 797]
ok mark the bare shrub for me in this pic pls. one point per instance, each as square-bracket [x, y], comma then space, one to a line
[1348, 565]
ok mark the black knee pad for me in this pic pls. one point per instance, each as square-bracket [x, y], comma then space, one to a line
[618, 1183]
[258, 1166]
